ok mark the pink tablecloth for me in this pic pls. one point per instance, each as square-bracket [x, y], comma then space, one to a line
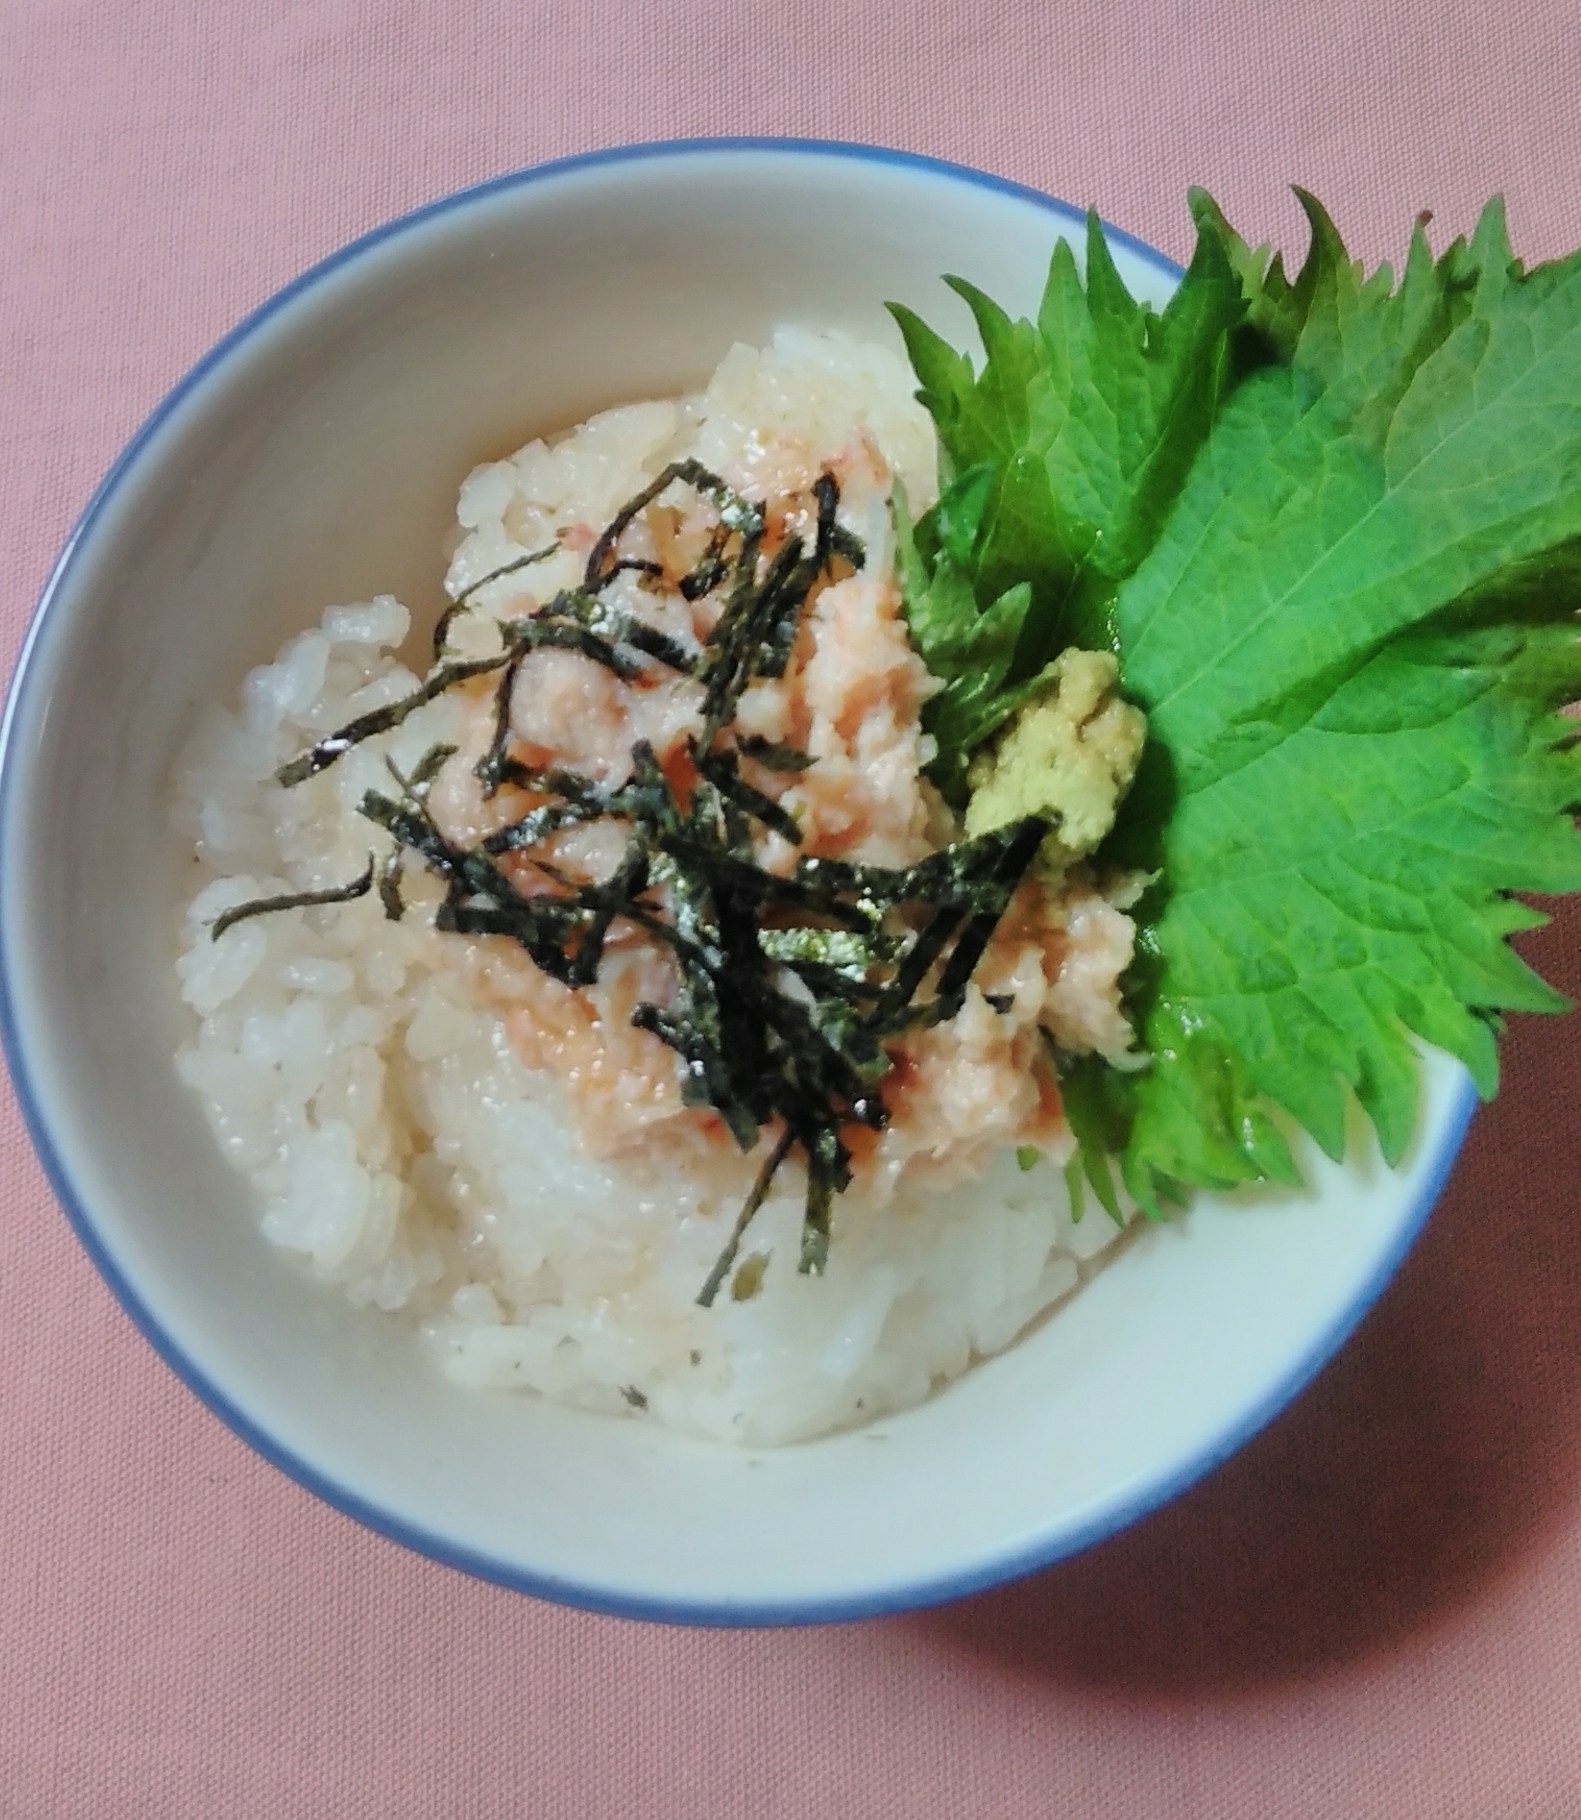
[1374, 1611]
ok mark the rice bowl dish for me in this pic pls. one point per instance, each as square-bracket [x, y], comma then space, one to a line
[444, 1133]
[1325, 897]
[844, 818]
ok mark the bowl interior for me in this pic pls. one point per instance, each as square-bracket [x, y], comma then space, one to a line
[314, 458]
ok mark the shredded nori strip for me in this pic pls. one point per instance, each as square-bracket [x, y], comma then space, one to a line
[537, 825]
[711, 567]
[390, 885]
[724, 773]
[833, 538]
[490, 767]
[785, 589]
[562, 625]
[828, 1171]
[360, 886]
[628, 882]
[565, 634]
[415, 786]
[381, 720]
[423, 773]
[749, 1207]
[738, 513]
[844, 951]
[462, 601]
[1023, 840]
[847, 544]
[772, 755]
[630, 565]
[618, 627]
[754, 634]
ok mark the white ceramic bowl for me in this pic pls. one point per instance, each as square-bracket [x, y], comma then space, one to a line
[314, 456]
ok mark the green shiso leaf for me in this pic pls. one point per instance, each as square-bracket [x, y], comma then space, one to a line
[1350, 641]
[970, 651]
[1339, 520]
[1065, 451]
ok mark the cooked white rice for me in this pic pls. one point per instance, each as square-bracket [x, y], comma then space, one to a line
[400, 1149]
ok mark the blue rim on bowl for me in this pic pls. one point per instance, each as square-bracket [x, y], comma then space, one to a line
[1125, 1508]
